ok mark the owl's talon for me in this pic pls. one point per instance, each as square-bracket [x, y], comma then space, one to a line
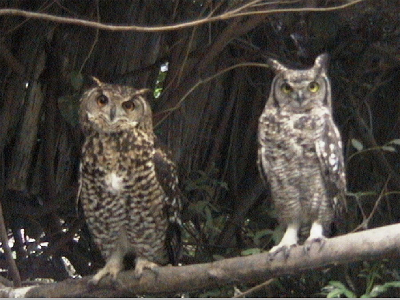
[117, 284]
[310, 241]
[280, 248]
[112, 268]
[94, 282]
[143, 264]
[114, 283]
[91, 284]
[316, 236]
[288, 241]
[286, 251]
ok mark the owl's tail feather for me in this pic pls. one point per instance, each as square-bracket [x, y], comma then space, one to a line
[174, 243]
[304, 233]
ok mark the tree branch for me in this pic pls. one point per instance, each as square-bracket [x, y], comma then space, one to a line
[7, 250]
[225, 16]
[11, 60]
[371, 244]
[369, 141]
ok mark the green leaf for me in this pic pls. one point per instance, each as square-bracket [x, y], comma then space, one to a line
[395, 141]
[198, 207]
[393, 284]
[69, 106]
[250, 251]
[209, 218]
[76, 79]
[379, 289]
[224, 185]
[157, 92]
[336, 293]
[260, 234]
[337, 284]
[339, 290]
[357, 144]
[278, 234]
[388, 148]
[218, 257]
[349, 294]
[264, 232]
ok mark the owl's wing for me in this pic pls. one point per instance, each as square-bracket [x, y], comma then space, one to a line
[330, 154]
[167, 176]
[260, 158]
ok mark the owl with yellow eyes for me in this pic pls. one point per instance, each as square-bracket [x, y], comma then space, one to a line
[300, 153]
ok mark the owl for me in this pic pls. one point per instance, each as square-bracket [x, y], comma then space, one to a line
[300, 153]
[128, 186]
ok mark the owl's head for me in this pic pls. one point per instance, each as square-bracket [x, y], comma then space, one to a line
[109, 108]
[299, 90]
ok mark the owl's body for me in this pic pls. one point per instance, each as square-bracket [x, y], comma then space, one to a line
[300, 152]
[129, 188]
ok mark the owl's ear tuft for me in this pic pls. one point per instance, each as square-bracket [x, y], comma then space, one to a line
[276, 65]
[97, 81]
[321, 62]
[144, 92]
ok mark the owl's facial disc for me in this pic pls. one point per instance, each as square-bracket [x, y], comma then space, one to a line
[124, 114]
[118, 114]
[121, 113]
[299, 97]
[299, 94]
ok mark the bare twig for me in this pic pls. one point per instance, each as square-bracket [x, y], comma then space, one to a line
[368, 139]
[225, 16]
[57, 245]
[10, 261]
[11, 60]
[248, 197]
[365, 222]
[167, 112]
[254, 289]
[96, 39]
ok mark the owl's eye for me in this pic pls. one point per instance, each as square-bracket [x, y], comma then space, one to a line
[102, 100]
[128, 105]
[286, 88]
[313, 87]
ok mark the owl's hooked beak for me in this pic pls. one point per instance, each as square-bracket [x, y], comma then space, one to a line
[117, 114]
[299, 97]
[113, 113]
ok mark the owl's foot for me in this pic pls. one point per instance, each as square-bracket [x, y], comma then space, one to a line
[309, 242]
[316, 236]
[285, 249]
[112, 268]
[288, 241]
[143, 264]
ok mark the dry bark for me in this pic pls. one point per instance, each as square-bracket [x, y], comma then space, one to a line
[378, 243]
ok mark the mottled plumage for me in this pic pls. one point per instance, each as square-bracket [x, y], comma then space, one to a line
[300, 152]
[129, 188]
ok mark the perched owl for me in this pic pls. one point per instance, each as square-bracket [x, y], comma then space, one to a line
[129, 187]
[300, 152]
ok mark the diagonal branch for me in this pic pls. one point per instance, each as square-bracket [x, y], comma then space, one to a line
[368, 139]
[7, 250]
[371, 244]
[11, 60]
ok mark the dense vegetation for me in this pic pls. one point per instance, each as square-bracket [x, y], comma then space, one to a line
[210, 83]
